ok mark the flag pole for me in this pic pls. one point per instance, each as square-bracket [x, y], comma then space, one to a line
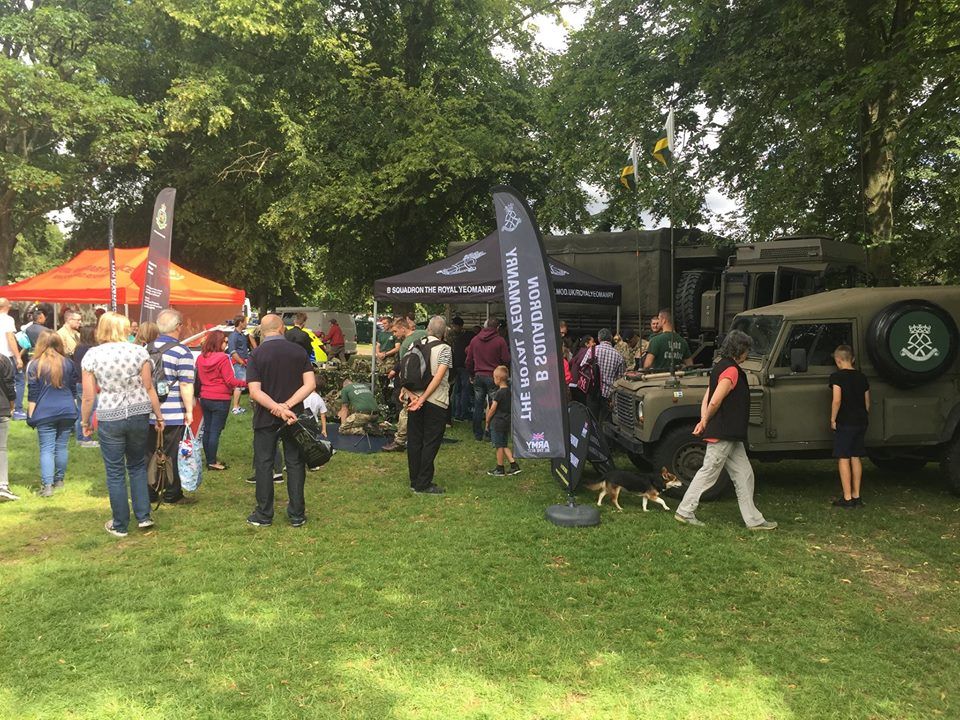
[113, 264]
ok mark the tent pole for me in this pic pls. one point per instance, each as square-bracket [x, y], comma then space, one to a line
[618, 319]
[488, 313]
[373, 352]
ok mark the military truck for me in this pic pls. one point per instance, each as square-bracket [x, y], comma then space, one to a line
[761, 274]
[905, 340]
[711, 281]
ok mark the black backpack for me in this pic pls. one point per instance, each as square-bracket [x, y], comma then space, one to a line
[415, 371]
[160, 382]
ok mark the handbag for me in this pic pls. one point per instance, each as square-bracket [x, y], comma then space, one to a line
[306, 433]
[589, 380]
[159, 470]
[188, 460]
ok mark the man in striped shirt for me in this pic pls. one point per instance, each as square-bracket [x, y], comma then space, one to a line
[177, 408]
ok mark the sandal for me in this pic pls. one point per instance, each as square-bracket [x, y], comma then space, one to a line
[216, 466]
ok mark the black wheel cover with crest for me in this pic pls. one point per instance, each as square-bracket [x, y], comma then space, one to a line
[912, 342]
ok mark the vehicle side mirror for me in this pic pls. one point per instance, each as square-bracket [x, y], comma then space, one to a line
[798, 360]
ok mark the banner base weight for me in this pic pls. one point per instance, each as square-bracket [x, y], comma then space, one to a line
[573, 515]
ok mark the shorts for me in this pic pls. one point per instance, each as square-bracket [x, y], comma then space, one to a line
[499, 438]
[240, 372]
[848, 441]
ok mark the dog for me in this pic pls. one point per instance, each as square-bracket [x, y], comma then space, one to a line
[649, 486]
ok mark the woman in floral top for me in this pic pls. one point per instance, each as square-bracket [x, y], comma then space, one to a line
[123, 373]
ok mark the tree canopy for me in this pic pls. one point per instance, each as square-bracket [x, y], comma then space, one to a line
[318, 144]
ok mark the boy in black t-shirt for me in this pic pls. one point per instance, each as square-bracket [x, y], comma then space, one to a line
[498, 423]
[849, 415]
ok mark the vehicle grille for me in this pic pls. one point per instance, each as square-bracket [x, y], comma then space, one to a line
[625, 407]
[786, 253]
[756, 407]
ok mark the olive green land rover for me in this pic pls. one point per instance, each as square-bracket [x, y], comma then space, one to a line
[905, 340]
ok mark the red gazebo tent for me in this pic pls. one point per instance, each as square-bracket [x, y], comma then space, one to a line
[86, 280]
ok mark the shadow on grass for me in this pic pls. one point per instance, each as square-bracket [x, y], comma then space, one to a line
[471, 605]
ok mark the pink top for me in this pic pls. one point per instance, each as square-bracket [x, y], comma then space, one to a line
[217, 380]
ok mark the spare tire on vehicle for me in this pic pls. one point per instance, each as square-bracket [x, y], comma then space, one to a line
[690, 289]
[912, 342]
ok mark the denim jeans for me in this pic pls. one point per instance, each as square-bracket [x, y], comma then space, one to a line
[461, 394]
[19, 385]
[54, 438]
[483, 390]
[264, 455]
[215, 414]
[123, 444]
[78, 429]
[4, 430]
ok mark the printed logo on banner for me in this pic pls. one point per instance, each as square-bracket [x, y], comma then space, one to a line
[162, 217]
[467, 264]
[538, 443]
[511, 220]
[558, 272]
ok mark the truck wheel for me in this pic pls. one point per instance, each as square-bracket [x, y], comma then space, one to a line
[950, 466]
[912, 342]
[898, 464]
[640, 462]
[690, 287]
[682, 454]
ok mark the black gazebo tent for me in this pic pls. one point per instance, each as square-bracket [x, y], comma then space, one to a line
[473, 274]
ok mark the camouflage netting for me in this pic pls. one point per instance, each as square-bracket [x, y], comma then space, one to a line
[331, 375]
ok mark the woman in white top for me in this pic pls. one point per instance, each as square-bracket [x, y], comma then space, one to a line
[124, 375]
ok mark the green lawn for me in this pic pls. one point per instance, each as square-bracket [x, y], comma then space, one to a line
[471, 605]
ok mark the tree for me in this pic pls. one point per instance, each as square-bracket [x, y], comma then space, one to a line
[61, 123]
[358, 138]
[809, 112]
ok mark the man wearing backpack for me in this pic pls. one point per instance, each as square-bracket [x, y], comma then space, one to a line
[428, 393]
[173, 375]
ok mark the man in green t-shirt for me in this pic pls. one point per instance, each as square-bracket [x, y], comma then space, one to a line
[667, 350]
[407, 333]
[387, 345]
[358, 408]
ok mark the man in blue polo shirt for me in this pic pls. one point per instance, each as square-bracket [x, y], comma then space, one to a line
[238, 348]
[177, 409]
[279, 378]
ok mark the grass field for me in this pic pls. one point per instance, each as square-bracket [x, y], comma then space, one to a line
[471, 605]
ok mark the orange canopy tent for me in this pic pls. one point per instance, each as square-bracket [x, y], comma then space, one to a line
[86, 279]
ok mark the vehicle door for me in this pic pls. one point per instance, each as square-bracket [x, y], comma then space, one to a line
[798, 403]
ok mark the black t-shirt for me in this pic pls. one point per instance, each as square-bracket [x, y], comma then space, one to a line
[853, 407]
[501, 418]
[298, 336]
[278, 365]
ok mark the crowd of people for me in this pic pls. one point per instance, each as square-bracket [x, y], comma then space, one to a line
[144, 384]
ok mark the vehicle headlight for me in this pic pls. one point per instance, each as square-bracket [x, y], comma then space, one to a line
[640, 410]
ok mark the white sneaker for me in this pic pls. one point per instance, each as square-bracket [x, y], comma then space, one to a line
[144, 524]
[5, 494]
[239, 410]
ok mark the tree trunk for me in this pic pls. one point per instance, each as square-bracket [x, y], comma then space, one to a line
[8, 241]
[878, 182]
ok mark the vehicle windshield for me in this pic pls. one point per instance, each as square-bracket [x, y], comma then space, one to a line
[762, 329]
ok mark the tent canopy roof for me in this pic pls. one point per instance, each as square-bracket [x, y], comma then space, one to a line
[473, 274]
[86, 279]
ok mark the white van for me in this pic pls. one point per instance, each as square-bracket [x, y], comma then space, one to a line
[318, 320]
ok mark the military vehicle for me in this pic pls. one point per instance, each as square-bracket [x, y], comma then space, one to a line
[711, 280]
[905, 340]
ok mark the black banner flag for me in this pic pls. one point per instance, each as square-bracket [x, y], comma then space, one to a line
[156, 284]
[538, 390]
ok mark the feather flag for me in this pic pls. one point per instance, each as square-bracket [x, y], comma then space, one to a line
[663, 150]
[628, 175]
